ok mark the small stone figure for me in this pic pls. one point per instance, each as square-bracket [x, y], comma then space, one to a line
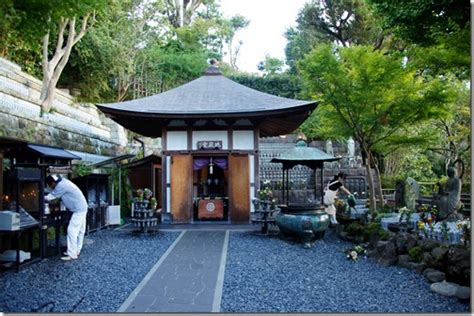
[412, 193]
[449, 199]
[350, 148]
[329, 148]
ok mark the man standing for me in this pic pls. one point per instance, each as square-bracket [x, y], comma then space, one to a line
[75, 201]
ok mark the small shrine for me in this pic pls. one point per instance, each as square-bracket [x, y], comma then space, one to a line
[210, 130]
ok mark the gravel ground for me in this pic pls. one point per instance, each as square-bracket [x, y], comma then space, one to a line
[270, 274]
[107, 272]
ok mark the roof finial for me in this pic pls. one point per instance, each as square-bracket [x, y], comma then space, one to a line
[213, 69]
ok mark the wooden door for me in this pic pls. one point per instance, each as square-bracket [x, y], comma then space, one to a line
[239, 188]
[181, 188]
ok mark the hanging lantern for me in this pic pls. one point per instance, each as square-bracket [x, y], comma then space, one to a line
[211, 166]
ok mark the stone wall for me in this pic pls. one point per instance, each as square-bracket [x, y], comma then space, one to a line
[71, 125]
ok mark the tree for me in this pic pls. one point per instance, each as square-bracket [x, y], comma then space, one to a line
[271, 65]
[182, 12]
[368, 95]
[283, 85]
[439, 30]
[423, 21]
[68, 20]
[235, 24]
[344, 22]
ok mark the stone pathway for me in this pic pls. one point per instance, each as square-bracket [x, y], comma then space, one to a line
[188, 278]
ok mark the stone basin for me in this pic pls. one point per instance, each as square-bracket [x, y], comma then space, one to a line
[307, 221]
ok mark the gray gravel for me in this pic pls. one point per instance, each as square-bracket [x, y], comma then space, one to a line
[107, 272]
[270, 274]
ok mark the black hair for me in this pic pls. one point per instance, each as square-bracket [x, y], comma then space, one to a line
[340, 175]
[52, 178]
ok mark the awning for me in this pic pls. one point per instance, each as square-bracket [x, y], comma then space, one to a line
[113, 160]
[53, 152]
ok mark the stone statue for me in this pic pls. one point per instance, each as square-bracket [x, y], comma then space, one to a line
[448, 199]
[411, 193]
[400, 193]
[329, 149]
[350, 148]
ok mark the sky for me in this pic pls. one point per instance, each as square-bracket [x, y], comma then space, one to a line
[269, 20]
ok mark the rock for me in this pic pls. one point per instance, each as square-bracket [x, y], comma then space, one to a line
[428, 244]
[427, 259]
[434, 275]
[459, 273]
[401, 243]
[418, 267]
[457, 254]
[445, 288]
[387, 252]
[403, 260]
[439, 253]
[463, 292]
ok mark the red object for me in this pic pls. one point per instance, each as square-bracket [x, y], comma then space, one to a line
[211, 209]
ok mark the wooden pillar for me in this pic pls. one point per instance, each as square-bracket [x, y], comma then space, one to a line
[1, 181]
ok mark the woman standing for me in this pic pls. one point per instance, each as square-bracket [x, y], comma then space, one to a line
[330, 195]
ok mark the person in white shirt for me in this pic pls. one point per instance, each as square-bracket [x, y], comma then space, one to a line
[75, 202]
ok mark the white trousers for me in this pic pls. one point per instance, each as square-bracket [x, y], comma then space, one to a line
[75, 233]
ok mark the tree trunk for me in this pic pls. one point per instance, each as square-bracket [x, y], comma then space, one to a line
[378, 183]
[370, 178]
[53, 68]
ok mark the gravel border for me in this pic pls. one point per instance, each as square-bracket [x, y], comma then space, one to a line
[107, 271]
[271, 274]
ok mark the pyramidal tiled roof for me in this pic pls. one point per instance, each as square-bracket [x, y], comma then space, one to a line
[210, 97]
[212, 93]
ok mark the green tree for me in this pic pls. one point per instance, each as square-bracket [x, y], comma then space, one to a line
[283, 85]
[233, 25]
[368, 95]
[344, 22]
[439, 30]
[271, 65]
[54, 23]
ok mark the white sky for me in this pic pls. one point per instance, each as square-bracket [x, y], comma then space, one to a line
[269, 20]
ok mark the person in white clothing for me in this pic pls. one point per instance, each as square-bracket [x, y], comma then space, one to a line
[330, 195]
[75, 202]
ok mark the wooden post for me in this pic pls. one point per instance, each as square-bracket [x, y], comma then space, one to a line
[1, 180]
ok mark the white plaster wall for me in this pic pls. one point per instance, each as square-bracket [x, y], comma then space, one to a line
[252, 180]
[210, 135]
[177, 140]
[243, 140]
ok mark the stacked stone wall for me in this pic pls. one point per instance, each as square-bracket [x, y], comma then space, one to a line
[69, 124]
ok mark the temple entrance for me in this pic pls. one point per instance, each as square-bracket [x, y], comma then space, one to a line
[210, 188]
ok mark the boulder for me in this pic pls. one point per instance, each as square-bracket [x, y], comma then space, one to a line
[434, 276]
[403, 260]
[386, 252]
[458, 254]
[404, 242]
[428, 244]
[439, 253]
[418, 267]
[444, 288]
[459, 273]
[463, 292]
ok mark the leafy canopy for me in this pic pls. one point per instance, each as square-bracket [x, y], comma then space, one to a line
[367, 94]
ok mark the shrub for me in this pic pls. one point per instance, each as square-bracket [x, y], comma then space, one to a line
[416, 253]
[354, 229]
[384, 235]
[370, 230]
